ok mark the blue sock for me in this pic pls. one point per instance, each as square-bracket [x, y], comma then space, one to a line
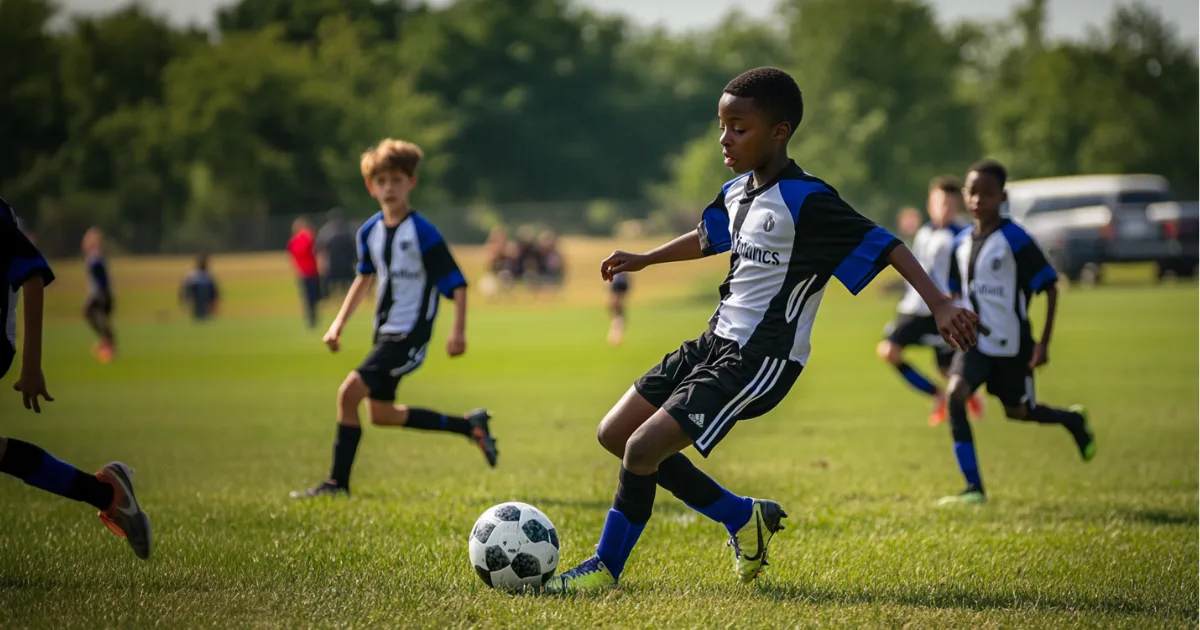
[617, 541]
[36, 467]
[965, 453]
[730, 510]
[916, 379]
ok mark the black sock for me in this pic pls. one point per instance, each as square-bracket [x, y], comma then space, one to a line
[1043, 414]
[345, 446]
[434, 421]
[36, 467]
[677, 475]
[635, 496]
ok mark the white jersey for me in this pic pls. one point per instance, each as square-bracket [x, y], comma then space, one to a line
[1000, 273]
[414, 266]
[933, 247]
[787, 239]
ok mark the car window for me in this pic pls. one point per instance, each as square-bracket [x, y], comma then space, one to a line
[1144, 196]
[1051, 204]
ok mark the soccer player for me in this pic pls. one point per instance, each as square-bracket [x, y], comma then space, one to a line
[789, 233]
[914, 324]
[302, 247]
[414, 266]
[997, 269]
[199, 291]
[98, 308]
[111, 490]
[618, 295]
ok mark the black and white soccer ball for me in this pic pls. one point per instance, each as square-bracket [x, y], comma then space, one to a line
[513, 546]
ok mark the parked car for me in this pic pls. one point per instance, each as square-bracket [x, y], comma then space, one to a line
[1179, 223]
[1085, 221]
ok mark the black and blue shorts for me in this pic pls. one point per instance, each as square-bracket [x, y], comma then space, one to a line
[392, 357]
[710, 383]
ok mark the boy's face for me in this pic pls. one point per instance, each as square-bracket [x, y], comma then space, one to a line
[943, 206]
[748, 138]
[983, 194]
[391, 189]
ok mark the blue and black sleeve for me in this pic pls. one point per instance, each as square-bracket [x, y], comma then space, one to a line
[19, 256]
[439, 262]
[850, 246]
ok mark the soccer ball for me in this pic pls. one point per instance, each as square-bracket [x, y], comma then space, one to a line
[514, 546]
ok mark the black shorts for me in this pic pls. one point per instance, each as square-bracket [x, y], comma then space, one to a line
[7, 354]
[390, 360]
[620, 284]
[1008, 378]
[102, 304]
[916, 330]
[709, 384]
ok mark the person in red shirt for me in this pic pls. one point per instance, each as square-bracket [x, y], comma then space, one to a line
[304, 258]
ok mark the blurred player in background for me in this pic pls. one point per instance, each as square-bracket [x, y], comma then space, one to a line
[335, 254]
[997, 270]
[302, 247]
[199, 292]
[414, 267]
[914, 324]
[618, 293]
[111, 490]
[98, 309]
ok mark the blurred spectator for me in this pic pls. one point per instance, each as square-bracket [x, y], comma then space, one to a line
[548, 260]
[336, 255]
[199, 291]
[302, 248]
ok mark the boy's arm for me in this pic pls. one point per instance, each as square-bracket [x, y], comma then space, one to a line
[1041, 350]
[955, 323]
[684, 247]
[711, 236]
[32, 383]
[457, 343]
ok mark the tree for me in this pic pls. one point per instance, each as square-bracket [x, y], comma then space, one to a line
[1125, 100]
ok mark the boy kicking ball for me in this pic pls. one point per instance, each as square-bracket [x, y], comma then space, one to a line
[788, 234]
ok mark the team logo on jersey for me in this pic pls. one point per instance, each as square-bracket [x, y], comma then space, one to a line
[769, 223]
[404, 245]
[996, 263]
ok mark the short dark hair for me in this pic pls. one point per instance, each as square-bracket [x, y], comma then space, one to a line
[945, 183]
[202, 262]
[993, 168]
[774, 91]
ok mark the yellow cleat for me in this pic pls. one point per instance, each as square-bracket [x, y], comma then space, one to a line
[751, 541]
[590, 576]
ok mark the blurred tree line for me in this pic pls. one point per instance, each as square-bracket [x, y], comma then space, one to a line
[163, 135]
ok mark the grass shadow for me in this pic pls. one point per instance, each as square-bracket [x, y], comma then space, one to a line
[1162, 517]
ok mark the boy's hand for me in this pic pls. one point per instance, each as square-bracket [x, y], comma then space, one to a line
[332, 339]
[456, 344]
[956, 324]
[621, 262]
[32, 384]
[1041, 356]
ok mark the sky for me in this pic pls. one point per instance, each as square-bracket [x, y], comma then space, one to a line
[1067, 18]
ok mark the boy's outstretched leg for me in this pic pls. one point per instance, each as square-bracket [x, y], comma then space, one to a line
[677, 475]
[893, 354]
[964, 447]
[110, 491]
[1074, 420]
[474, 425]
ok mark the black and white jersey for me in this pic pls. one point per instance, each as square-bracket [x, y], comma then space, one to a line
[933, 247]
[414, 265]
[1001, 272]
[19, 261]
[787, 238]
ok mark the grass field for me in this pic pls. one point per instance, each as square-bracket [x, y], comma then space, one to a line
[221, 421]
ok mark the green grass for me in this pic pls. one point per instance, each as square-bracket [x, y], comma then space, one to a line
[221, 421]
